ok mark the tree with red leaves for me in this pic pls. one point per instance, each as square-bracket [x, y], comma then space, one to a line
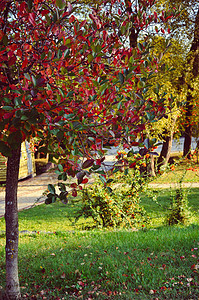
[75, 85]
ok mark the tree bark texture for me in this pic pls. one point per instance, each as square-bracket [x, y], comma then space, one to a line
[12, 233]
[188, 129]
[166, 151]
[152, 166]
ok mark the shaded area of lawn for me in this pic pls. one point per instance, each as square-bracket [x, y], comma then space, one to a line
[119, 264]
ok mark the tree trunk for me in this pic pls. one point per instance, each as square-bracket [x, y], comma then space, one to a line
[188, 130]
[166, 151]
[152, 166]
[12, 233]
[197, 150]
[133, 36]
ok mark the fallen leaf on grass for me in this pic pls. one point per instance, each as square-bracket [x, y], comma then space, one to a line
[189, 279]
[63, 275]
[195, 267]
[151, 292]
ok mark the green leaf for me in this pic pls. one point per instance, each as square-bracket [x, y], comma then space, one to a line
[34, 80]
[103, 87]
[17, 92]
[48, 86]
[66, 52]
[5, 149]
[7, 100]
[61, 91]
[43, 150]
[15, 138]
[70, 94]
[140, 46]
[68, 41]
[109, 180]
[60, 167]
[103, 180]
[24, 118]
[60, 3]
[60, 135]
[123, 29]
[48, 199]
[141, 84]
[43, 55]
[131, 60]
[94, 167]
[121, 78]
[90, 58]
[109, 190]
[27, 76]
[51, 188]
[7, 107]
[17, 101]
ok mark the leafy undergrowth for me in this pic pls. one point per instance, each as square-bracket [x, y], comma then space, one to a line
[161, 263]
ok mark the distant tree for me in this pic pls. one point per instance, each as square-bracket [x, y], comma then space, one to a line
[185, 29]
[167, 83]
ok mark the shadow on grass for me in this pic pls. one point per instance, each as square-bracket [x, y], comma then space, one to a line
[104, 262]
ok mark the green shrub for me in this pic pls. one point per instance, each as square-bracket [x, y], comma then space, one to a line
[179, 212]
[119, 208]
[116, 203]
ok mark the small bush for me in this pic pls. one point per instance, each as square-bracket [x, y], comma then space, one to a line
[111, 209]
[179, 211]
[116, 203]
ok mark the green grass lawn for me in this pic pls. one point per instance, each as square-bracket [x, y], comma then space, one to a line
[145, 264]
[60, 260]
[182, 168]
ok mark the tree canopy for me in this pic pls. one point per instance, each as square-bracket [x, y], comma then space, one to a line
[76, 85]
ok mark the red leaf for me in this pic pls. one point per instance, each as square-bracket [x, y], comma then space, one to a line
[19, 53]
[73, 185]
[74, 193]
[82, 24]
[31, 19]
[85, 180]
[132, 165]
[8, 115]
[25, 62]
[72, 19]
[12, 60]
[193, 266]
[98, 162]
